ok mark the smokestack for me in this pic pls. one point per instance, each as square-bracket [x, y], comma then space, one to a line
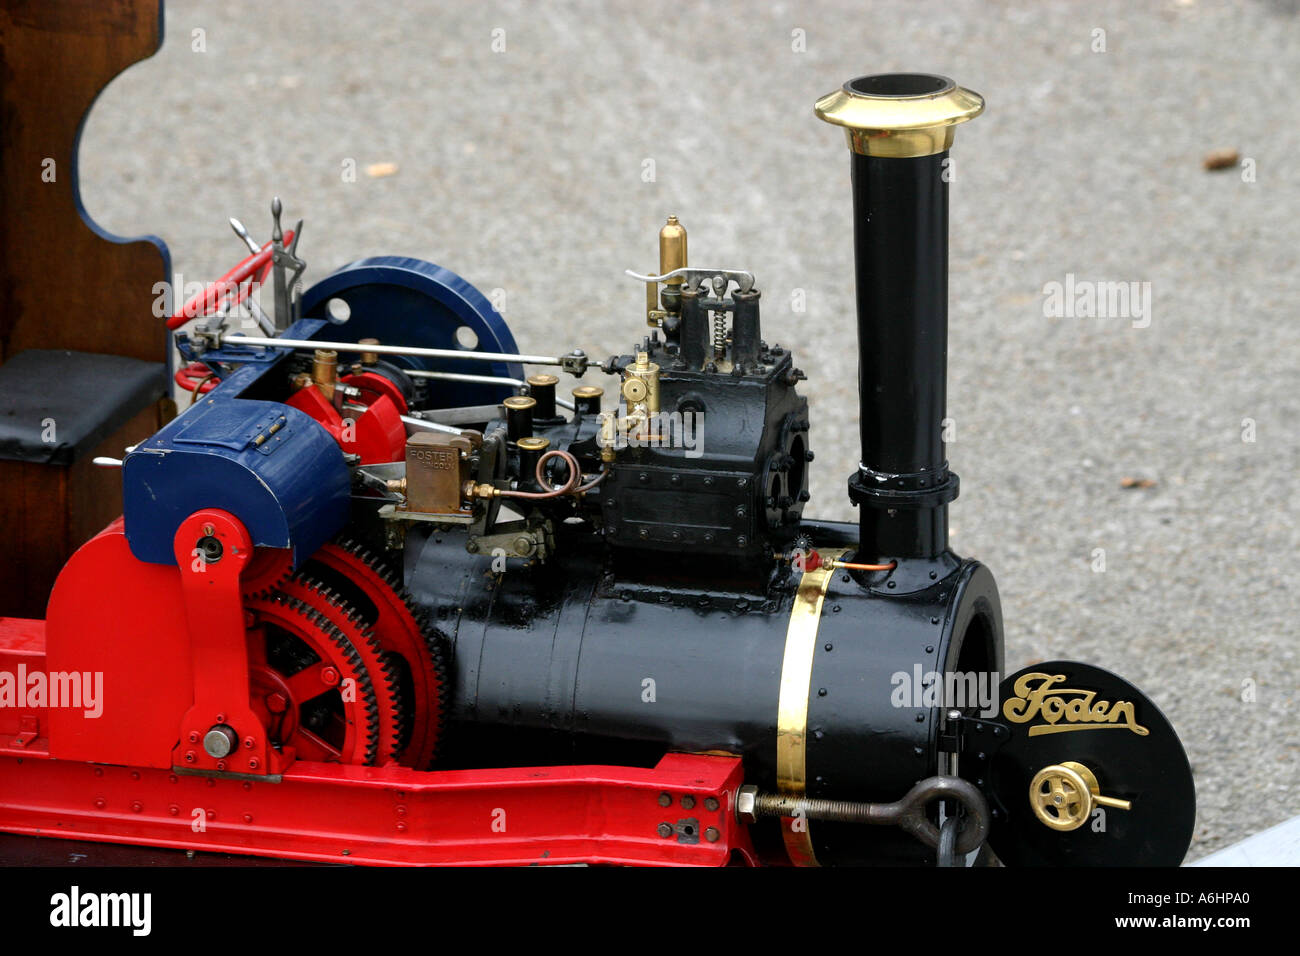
[899, 128]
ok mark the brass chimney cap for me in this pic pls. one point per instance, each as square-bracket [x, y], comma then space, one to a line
[899, 115]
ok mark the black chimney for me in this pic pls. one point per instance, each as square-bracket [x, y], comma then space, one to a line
[900, 126]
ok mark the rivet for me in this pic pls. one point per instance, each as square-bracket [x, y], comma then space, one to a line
[711, 834]
[688, 802]
[711, 803]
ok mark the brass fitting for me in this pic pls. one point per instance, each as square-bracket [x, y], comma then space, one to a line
[369, 358]
[324, 372]
[641, 386]
[608, 437]
[482, 490]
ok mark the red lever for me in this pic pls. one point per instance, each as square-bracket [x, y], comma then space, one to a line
[240, 279]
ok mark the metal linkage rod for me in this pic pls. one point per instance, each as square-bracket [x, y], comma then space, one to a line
[280, 343]
[483, 379]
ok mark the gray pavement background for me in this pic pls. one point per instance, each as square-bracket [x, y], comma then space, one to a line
[522, 170]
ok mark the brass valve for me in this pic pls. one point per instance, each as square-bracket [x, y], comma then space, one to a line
[1063, 796]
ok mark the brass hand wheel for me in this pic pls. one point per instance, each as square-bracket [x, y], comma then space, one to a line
[1063, 796]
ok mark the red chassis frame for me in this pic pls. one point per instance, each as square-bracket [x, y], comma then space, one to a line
[170, 645]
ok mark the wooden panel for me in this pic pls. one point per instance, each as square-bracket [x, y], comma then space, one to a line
[63, 282]
[48, 511]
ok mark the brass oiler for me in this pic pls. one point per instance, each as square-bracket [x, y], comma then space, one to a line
[369, 358]
[325, 372]
[586, 399]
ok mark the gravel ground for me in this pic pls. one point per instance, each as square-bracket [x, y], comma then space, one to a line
[522, 169]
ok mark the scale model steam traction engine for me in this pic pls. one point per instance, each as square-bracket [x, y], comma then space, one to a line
[380, 596]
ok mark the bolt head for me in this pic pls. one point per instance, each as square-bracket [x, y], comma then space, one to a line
[747, 804]
[665, 830]
[220, 741]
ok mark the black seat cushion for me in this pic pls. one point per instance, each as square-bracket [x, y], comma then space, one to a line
[55, 405]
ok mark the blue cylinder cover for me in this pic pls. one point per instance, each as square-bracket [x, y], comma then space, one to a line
[271, 466]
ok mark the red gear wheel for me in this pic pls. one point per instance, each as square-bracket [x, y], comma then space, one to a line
[309, 683]
[347, 619]
[385, 607]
